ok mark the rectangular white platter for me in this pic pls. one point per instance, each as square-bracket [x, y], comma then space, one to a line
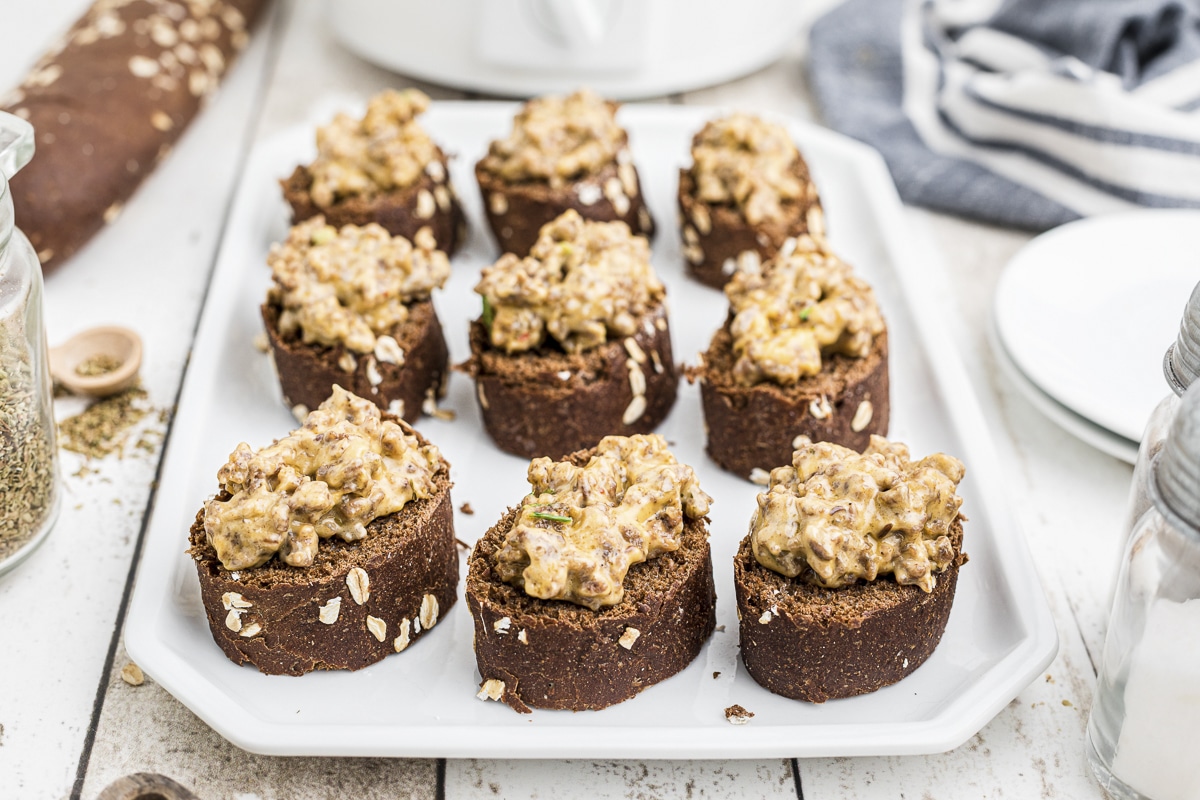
[422, 702]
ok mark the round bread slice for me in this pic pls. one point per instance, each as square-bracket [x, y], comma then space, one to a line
[547, 402]
[516, 212]
[555, 654]
[292, 620]
[426, 204]
[807, 643]
[307, 372]
[754, 427]
[717, 239]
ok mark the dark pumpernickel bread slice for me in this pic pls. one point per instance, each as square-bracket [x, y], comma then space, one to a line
[398, 211]
[801, 641]
[555, 654]
[516, 212]
[411, 562]
[721, 234]
[753, 426]
[307, 372]
[546, 402]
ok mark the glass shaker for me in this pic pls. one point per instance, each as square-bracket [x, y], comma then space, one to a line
[1181, 365]
[29, 478]
[1143, 734]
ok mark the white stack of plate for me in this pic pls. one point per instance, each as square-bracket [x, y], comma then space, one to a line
[1084, 313]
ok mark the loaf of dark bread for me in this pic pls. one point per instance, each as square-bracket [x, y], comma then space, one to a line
[801, 641]
[555, 654]
[718, 240]
[755, 426]
[108, 101]
[516, 212]
[546, 402]
[411, 562]
[308, 371]
[402, 212]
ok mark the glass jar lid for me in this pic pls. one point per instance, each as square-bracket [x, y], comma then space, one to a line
[16, 148]
[1182, 362]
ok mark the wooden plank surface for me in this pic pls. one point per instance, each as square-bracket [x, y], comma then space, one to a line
[148, 270]
[1069, 499]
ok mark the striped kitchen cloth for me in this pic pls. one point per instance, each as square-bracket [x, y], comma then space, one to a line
[1028, 113]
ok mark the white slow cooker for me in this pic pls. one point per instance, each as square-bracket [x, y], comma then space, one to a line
[621, 48]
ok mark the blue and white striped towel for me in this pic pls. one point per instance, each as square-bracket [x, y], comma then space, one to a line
[1023, 112]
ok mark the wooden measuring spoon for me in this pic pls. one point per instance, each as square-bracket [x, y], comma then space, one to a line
[146, 786]
[120, 344]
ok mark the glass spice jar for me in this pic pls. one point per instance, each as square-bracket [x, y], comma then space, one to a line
[1181, 366]
[1145, 722]
[29, 478]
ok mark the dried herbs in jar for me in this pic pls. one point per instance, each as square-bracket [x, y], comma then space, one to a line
[28, 474]
[28, 459]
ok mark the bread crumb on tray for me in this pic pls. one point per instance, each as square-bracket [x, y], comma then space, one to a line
[738, 715]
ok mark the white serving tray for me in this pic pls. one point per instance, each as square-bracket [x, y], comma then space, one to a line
[422, 702]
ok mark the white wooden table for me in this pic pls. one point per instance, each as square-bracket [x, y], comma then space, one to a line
[69, 725]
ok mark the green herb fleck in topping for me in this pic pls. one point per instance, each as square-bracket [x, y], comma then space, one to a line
[805, 314]
[550, 516]
[489, 313]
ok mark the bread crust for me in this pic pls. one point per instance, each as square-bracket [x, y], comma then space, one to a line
[395, 210]
[407, 556]
[530, 410]
[529, 206]
[307, 372]
[106, 110]
[753, 427]
[728, 235]
[555, 654]
[807, 643]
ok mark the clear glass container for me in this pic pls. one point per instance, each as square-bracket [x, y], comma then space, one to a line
[1181, 365]
[1143, 735]
[29, 477]
[1152, 442]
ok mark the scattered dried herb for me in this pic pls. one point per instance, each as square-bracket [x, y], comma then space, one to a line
[97, 365]
[102, 428]
[27, 455]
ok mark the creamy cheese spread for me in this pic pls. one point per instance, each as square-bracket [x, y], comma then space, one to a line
[344, 467]
[746, 162]
[557, 140]
[795, 309]
[836, 517]
[351, 286]
[582, 283]
[384, 150]
[582, 528]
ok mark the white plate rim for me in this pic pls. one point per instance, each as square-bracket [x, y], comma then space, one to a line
[1008, 296]
[1081, 427]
